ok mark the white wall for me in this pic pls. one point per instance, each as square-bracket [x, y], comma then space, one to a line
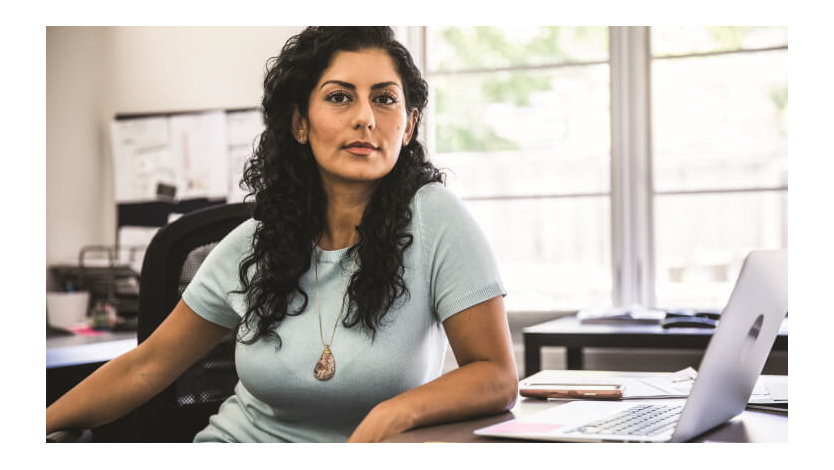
[76, 70]
[94, 73]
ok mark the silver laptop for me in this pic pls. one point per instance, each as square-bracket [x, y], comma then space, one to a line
[732, 362]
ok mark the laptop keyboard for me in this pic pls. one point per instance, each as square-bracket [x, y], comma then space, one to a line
[639, 420]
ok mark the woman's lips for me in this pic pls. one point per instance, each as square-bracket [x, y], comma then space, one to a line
[360, 148]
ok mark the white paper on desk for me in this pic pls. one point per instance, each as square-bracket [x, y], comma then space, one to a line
[635, 314]
[673, 385]
[778, 391]
[679, 384]
[769, 393]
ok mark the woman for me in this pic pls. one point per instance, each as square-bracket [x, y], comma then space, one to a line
[355, 263]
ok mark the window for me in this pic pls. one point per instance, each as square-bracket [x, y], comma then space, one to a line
[614, 165]
[720, 155]
[519, 119]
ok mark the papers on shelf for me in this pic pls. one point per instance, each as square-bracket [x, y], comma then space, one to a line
[244, 128]
[199, 149]
[141, 158]
[132, 243]
[183, 155]
[636, 315]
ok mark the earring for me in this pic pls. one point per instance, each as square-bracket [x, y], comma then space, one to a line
[302, 138]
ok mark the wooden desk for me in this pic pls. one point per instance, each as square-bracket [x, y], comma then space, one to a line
[749, 426]
[570, 333]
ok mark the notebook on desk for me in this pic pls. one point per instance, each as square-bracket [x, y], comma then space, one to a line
[731, 364]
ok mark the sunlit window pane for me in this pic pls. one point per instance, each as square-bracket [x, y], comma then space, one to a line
[720, 121]
[524, 132]
[700, 39]
[477, 47]
[514, 126]
[554, 253]
[701, 241]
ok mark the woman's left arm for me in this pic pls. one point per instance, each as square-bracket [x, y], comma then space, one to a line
[486, 381]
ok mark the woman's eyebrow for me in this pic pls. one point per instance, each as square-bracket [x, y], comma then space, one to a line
[385, 85]
[351, 86]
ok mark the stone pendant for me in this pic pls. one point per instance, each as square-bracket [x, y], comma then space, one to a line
[326, 366]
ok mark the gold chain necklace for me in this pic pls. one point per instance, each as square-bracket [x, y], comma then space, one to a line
[326, 365]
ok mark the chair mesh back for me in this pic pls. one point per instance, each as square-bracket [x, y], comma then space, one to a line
[212, 378]
[192, 263]
[171, 260]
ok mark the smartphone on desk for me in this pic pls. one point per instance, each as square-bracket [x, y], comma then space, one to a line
[571, 391]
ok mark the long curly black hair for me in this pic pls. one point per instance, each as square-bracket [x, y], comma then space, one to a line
[290, 203]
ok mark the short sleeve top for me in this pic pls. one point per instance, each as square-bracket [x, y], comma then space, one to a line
[449, 267]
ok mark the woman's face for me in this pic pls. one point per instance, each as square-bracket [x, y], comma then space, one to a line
[357, 120]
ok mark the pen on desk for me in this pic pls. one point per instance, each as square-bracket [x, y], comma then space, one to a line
[684, 375]
[689, 378]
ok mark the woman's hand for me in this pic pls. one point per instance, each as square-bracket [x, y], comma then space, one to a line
[486, 381]
[384, 420]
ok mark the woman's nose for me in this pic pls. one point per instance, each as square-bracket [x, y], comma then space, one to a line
[363, 115]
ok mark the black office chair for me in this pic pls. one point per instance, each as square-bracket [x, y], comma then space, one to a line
[177, 413]
[172, 258]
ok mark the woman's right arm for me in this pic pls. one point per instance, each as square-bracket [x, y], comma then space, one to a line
[131, 379]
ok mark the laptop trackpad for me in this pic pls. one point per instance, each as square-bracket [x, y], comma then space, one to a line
[555, 420]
